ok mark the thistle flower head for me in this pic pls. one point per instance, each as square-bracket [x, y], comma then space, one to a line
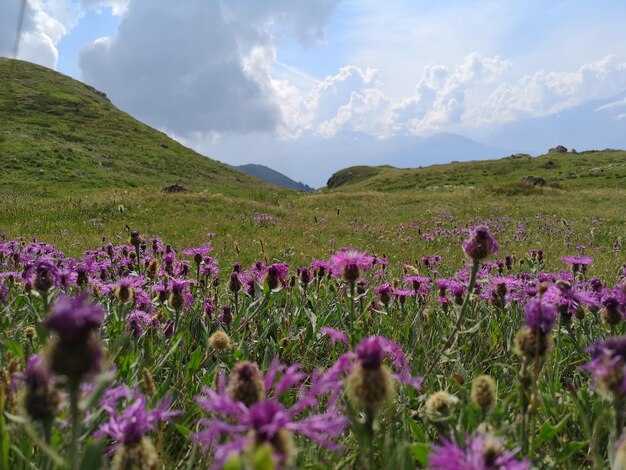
[484, 391]
[42, 275]
[384, 293]
[480, 244]
[369, 382]
[130, 425]
[608, 366]
[440, 404]
[137, 321]
[41, 400]
[540, 315]
[198, 253]
[234, 427]
[350, 264]
[246, 384]
[483, 452]
[73, 318]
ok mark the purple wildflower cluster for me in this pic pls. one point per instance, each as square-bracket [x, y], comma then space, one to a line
[482, 452]
[151, 292]
[128, 425]
[234, 426]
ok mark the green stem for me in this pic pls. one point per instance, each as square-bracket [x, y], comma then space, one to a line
[74, 393]
[452, 337]
[533, 405]
[352, 286]
[370, 417]
[619, 418]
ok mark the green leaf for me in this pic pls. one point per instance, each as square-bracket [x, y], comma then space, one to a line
[547, 431]
[182, 429]
[420, 451]
[263, 458]
[570, 449]
[233, 463]
[194, 360]
[92, 460]
[15, 348]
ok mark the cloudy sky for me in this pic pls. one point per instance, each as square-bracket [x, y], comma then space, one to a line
[242, 80]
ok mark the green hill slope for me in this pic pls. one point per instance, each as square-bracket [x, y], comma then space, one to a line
[601, 169]
[60, 135]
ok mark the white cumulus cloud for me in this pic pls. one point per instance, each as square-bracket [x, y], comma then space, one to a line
[201, 66]
[44, 24]
[548, 92]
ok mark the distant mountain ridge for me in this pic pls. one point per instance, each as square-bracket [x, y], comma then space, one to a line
[266, 173]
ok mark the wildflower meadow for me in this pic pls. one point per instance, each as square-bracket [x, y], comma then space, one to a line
[138, 355]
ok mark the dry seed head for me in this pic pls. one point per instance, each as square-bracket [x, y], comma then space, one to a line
[176, 300]
[140, 455]
[148, 382]
[153, 268]
[219, 341]
[440, 404]
[484, 392]
[532, 344]
[369, 388]
[30, 332]
[245, 384]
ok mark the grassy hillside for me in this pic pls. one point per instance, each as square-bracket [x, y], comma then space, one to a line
[602, 169]
[60, 135]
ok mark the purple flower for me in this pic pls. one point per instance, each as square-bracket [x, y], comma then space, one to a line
[577, 260]
[37, 373]
[567, 299]
[137, 321]
[233, 426]
[77, 350]
[608, 365]
[42, 276]
[350, 263]
[305, 276]
[73, 318]
[179, 297]
[540, 315]
[403, 294]
[321, 267]
[225, 315]
[41, 398]
[259, 218]
[335, 335]
[483, 452]
[275, 276]
[480, 243]
[135, 421]
[384, 293]
[370, 353]
[202, 250]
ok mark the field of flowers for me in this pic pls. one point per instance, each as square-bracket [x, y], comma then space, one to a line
[139, 355]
